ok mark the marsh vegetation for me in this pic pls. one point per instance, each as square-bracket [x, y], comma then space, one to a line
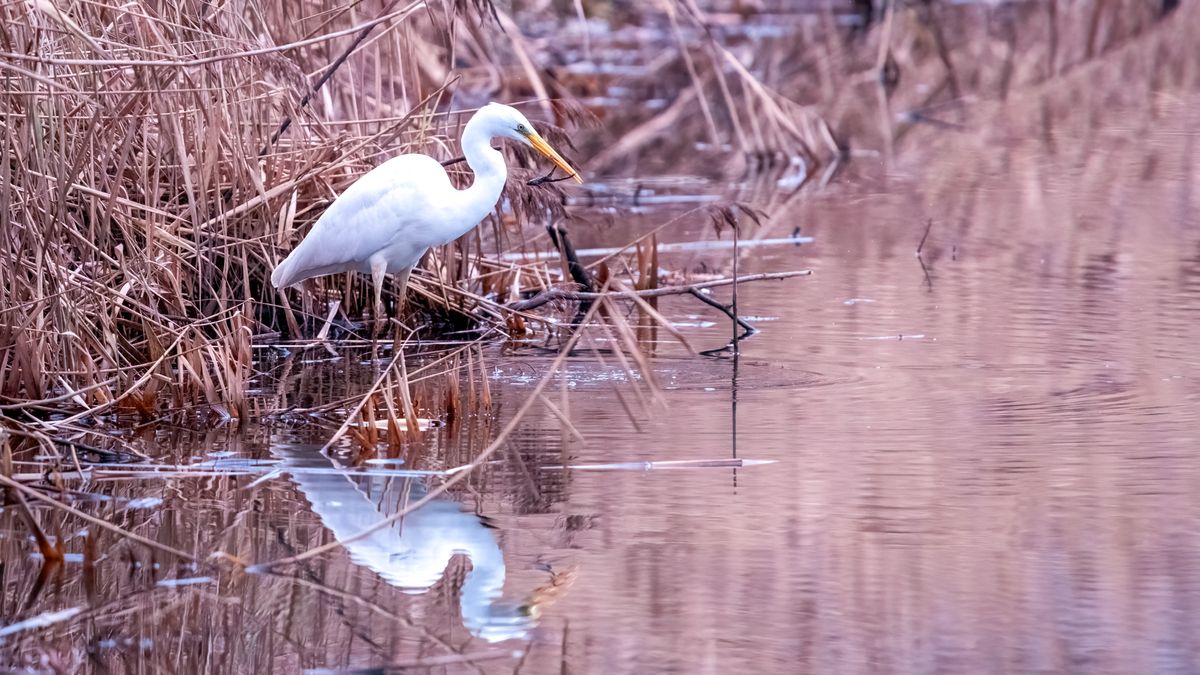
[204, 474]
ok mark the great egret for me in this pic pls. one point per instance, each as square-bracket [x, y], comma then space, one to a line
[386, 221]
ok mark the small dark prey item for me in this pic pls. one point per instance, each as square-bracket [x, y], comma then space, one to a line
[542, 180]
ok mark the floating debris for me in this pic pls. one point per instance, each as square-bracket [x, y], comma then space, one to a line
[258, 468]
[422, 423]
[190, 581]
[72, 558]
[898, 337]
[41, 621]
[674, 247]
[664, 464]
[143, 503]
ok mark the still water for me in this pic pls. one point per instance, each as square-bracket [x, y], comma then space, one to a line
[984, 461]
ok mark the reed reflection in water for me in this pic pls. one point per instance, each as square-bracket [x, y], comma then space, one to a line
[985, 457]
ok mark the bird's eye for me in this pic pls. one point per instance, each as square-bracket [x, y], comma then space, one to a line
[521, 128]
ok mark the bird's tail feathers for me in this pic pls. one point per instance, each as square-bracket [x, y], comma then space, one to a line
[299, 266]
[281, 276]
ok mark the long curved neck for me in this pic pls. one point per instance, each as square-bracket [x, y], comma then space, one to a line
[490, 172]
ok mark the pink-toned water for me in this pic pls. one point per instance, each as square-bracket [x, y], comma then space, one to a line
[985, 461]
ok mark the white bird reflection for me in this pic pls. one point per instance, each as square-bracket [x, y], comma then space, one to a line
[413, 552]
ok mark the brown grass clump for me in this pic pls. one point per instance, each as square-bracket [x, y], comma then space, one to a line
[159, 161]
[146, 189]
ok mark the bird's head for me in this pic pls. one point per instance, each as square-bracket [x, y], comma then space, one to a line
[512, 124]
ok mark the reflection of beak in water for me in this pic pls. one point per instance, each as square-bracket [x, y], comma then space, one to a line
[412, 553]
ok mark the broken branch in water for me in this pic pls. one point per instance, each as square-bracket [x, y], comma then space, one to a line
[562, 294]
[924, 268]
[690, 289]
[729, 311]
[579, 273]
[928, 227]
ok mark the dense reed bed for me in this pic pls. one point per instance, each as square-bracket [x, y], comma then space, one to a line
[157, 162]
[158, 159]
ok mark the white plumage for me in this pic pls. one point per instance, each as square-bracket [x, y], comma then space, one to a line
[386, 221]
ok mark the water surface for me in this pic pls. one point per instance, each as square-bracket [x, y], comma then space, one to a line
[984, 461]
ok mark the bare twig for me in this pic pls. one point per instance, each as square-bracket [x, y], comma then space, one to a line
[577, 296]
[729, 311]
[920, 246]
[928, 227]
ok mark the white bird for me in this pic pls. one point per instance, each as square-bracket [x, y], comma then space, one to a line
[386, 221]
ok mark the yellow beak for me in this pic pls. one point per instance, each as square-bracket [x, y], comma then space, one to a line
[543, 147]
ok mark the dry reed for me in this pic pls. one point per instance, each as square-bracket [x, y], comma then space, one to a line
[140, 221]
[158, 162]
